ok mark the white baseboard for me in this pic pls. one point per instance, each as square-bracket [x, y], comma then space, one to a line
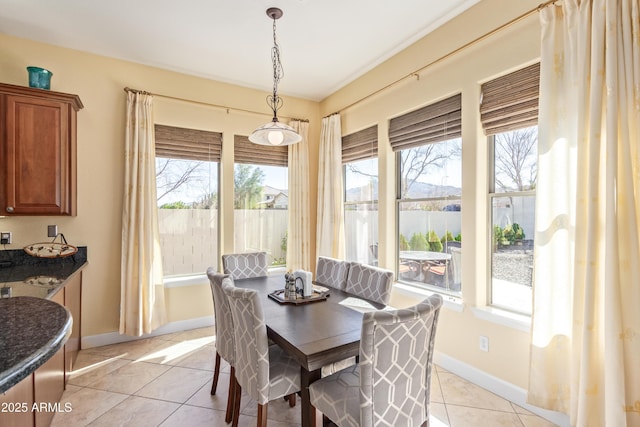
[495, 385]
[116, 337]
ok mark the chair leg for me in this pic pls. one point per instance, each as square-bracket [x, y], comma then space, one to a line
[292, 399]
[228, 417]
[262, 415]
[216, 374]
[237, 391]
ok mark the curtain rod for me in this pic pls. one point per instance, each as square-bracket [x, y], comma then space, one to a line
[417, 72]
[208, 104]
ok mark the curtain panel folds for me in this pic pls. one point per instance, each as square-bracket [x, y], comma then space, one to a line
[142, 306]
[298, 236]
[330, 227]
[586, 317]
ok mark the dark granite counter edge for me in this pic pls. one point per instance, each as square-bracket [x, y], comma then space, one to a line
[20, 371]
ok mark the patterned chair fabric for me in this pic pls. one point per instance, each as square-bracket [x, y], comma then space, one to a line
[390, 386]
[222, 312]
[264, 372]
[332, 272]
[370, 282]
[225, 347]
[242, 266]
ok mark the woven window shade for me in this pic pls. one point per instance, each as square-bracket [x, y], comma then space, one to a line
[360, 145]
[511, 102]
[244, 151]
[188, 144]
[434, 123]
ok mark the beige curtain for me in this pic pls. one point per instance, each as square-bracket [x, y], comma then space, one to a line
[330, 227]
[585, 352]
[298, 240]
[142, 307]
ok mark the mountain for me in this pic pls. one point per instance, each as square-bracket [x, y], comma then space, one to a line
[418, 190]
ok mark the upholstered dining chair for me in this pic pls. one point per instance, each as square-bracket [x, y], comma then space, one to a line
[225, 348]
[332, 272]
[264, 372]
[391, 384]
[369, 282]
[242, 266]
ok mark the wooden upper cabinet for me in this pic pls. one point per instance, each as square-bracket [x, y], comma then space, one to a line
[38, 151]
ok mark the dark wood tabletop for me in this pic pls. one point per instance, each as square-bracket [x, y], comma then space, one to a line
[315, 334]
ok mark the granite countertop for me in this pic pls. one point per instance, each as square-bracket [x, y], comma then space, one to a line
[24, 275]
[33, 330]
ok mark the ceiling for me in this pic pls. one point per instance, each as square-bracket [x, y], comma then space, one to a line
[324, 44]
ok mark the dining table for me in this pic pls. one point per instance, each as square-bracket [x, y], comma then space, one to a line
[315, 333]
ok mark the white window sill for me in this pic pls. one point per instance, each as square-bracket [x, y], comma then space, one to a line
[202, 279]
[506, 318]
[190, 280]
[450, 302]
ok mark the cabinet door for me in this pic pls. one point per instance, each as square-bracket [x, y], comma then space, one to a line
[16, 405]
[38, 156]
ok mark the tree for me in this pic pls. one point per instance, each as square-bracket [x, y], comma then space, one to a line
[414, 162]
[207, 201]
[175, 205]
[172, 174]
[248, 186]
[516, 159]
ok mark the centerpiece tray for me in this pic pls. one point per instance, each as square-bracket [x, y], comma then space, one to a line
[279, 297]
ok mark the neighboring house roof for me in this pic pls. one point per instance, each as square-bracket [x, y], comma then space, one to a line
[274, 198]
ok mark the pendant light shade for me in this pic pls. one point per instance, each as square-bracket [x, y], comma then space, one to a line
[274, 132]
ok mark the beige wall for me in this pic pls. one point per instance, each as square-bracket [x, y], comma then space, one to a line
[99, 82]
[463, 72]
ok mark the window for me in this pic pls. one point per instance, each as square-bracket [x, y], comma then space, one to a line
[360, 160]
[509, 114]
[261, 199]
[187, 165]
[428, 154]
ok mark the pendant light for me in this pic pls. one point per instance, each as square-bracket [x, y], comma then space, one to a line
[274, 132]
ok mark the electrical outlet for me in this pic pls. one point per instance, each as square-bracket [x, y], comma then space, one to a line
[52, 230]
[484, 343]
[5, 238]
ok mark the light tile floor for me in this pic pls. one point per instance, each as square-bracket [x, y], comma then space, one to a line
[166, 381]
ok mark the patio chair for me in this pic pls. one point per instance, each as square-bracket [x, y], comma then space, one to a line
[242, 266]
[264, 372]
[391, 384]
[455, 277]
[225, 347]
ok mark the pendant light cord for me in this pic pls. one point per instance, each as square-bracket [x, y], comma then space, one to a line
[274, 101]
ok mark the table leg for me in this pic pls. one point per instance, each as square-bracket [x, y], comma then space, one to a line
[308, 411]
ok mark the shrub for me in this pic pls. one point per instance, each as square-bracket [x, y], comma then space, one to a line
[497, 235]
[403, 244]
[518, 231]
[447, 237]
[418, 242]
[435, 244]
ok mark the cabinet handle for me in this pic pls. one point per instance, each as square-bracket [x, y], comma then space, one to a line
[9, 209]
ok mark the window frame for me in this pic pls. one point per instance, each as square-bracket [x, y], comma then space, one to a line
[176, 133]
[399, 200]
[491, 195]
